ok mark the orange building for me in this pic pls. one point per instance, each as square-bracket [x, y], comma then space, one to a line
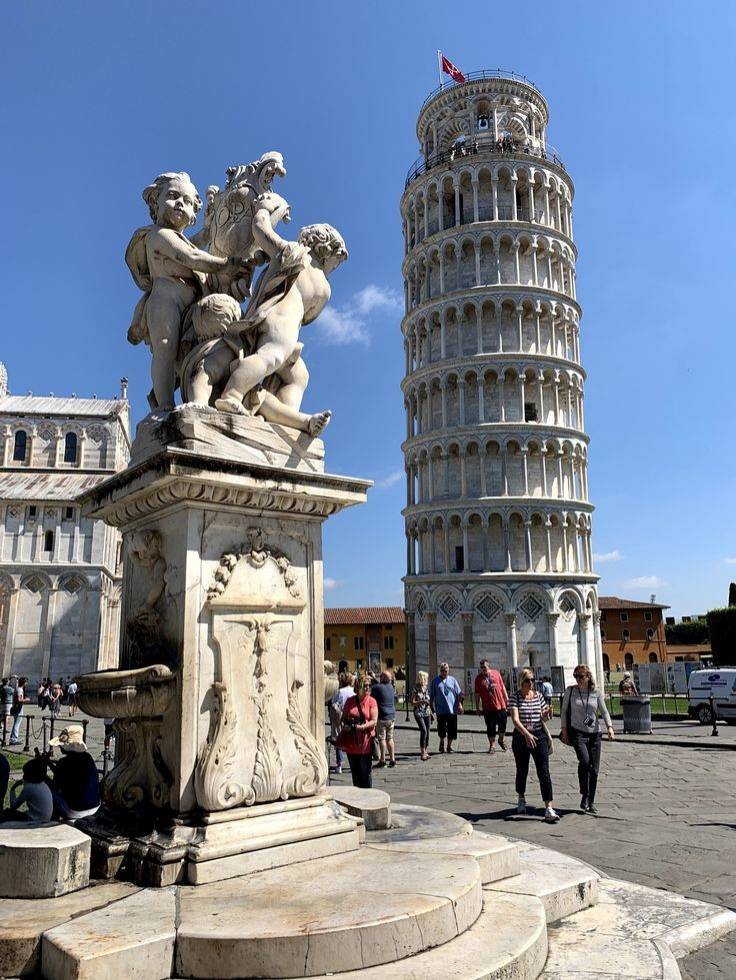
[369, 637]
[632, 632]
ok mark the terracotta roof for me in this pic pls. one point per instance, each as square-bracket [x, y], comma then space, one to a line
[369, 615]
[613, 602]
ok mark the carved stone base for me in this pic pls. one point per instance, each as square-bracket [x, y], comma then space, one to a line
[226, 844]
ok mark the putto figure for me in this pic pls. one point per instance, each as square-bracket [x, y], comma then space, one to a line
[171, 272]
[221, 357]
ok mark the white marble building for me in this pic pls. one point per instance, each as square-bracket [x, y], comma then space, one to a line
[59, 572]
[498, 519]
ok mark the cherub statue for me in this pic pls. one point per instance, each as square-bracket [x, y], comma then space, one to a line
[292, 292]
[171, 271]
[258, 358]
[240, 219]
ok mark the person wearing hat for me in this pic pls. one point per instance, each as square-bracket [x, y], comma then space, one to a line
[76, 783]
[627, 686]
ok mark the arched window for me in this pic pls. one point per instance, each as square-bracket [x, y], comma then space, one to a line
[652, 658]
[628, 660]
[70, 447]
[48, 541]
[19, 446]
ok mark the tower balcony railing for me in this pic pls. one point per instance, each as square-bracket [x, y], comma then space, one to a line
[485, 213]
[506, 146]
[477, 76]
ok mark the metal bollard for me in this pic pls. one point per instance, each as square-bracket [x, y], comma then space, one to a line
[713, 714]
[43, 734]
[27, 746]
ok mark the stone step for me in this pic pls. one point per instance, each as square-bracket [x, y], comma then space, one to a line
[420, 823]
[563, 884]
[352, 912]
[24, 921]
[497, 856]
[508, 941]
[658, 927]
[133, 938]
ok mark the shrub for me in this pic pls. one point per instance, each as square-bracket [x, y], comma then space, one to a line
[694, 632]
[722, 627]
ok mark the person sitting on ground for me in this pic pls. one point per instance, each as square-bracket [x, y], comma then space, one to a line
[627, 686]
[385, 697]
[4, 776]
[76, 784]
[35, 793]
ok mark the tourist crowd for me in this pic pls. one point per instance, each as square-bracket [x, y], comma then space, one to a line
[362, 716]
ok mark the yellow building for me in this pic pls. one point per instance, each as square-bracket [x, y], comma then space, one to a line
[369, 638]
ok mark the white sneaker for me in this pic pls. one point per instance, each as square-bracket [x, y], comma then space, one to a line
[550, 815]
[521, 805]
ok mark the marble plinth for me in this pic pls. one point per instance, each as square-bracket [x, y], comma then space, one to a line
[42, 860]
[373, 806]
[219, 693]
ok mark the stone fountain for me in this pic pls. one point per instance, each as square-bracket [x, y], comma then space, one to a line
[218, 699]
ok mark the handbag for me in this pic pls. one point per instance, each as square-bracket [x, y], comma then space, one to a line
[550, 744]
[568, 717]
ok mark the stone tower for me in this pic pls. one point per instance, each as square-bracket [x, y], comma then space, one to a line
[497, 515]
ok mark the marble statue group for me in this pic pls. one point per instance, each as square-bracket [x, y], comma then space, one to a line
[227, 340]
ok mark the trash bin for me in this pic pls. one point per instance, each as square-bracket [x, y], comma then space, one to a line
[637, 715]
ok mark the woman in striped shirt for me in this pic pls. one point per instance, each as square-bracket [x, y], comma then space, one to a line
[528, 712]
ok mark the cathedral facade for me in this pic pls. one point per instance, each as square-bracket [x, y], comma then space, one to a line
[60, 572]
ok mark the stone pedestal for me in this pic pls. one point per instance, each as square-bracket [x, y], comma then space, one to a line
[42, 860]
[219, 694]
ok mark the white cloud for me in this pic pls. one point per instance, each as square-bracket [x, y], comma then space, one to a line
[346, 324]
[332, 583]
[730, 561]
[614, 555]
[391, 480]
[377, 297]
[645, 582]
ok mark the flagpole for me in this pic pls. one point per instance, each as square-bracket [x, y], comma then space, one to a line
[439, 66]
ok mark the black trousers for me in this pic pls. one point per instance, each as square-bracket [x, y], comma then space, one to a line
[540, 754]
[423, 722]
[496, 721]
[447, 727]
[361, 767]
[588, 750]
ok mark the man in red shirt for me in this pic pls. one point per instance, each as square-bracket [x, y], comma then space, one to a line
[490, 692]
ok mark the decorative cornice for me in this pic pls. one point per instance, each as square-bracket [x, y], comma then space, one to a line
[174, 478]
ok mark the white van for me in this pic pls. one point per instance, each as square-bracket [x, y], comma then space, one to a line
[721, 683]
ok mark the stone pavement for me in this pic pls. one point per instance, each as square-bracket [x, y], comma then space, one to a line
[667, 813]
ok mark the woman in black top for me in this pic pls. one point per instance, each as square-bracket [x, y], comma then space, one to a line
[528, 713]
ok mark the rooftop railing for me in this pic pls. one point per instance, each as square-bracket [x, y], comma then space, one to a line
[507, 146]
[474, 76]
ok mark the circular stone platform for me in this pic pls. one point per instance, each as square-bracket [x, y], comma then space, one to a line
[420, 823]
[347, 912]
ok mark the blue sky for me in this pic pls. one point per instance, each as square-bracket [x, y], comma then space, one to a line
[99, 98]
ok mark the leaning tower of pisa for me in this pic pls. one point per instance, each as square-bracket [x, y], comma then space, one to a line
[497, 515]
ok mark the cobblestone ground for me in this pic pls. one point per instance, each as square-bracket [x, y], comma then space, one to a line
[667, 814]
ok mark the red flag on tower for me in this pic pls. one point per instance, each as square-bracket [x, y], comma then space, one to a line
[449, 69]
